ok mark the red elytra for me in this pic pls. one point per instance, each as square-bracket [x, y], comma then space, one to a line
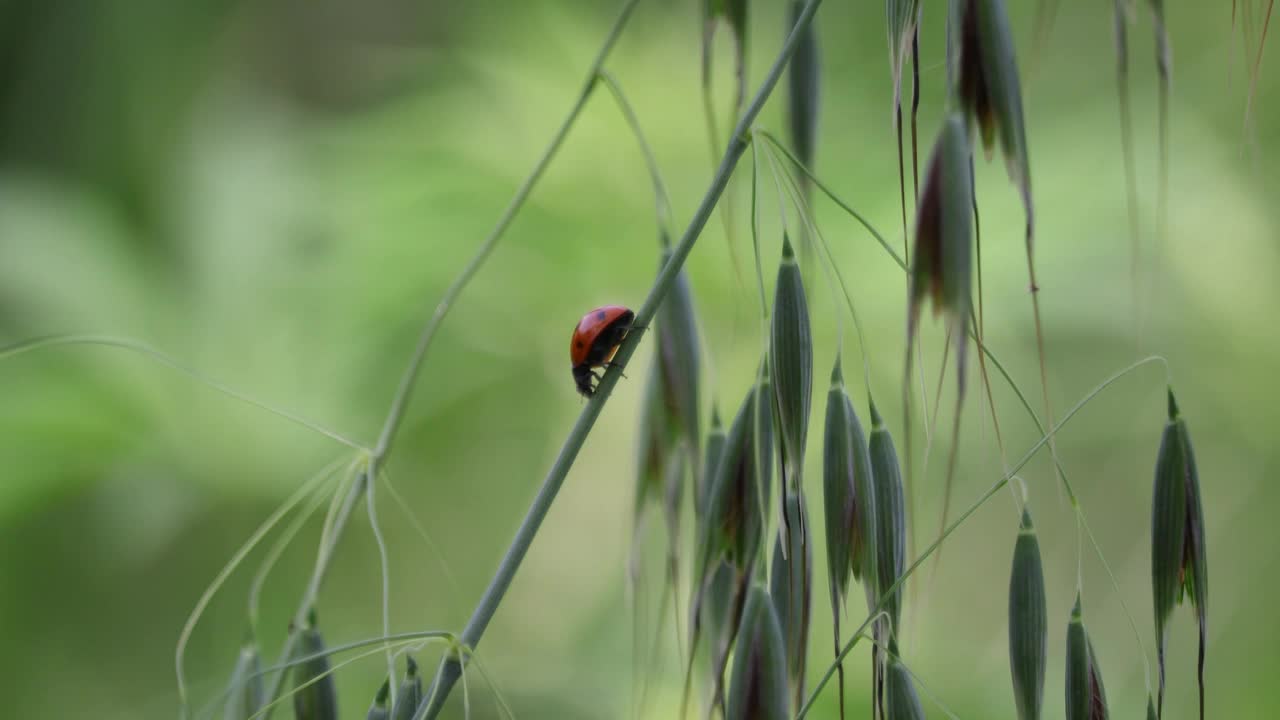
[595, 339]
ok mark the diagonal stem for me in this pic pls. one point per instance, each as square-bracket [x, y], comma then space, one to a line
[408, 380]
[451, 667]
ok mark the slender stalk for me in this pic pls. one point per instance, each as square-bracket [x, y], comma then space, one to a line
[169, 362]
[451, 666]
[323, 560]
[1130, 166]
[662, 200]
[408, 380]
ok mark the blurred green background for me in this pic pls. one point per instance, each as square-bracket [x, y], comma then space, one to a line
[276, 194]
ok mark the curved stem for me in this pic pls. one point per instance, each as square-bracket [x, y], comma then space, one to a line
[404, 390]
[407, 381]
[662, 200]
[323, 559]
[160, 357]
[451, 666]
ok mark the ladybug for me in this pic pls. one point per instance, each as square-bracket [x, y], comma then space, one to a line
[595, 339]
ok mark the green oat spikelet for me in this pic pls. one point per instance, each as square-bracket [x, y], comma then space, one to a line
[901, 701]
[409, 696]
[758, 684]
[734, 14]
[989, 91]
[679, 354]
[838, 491]
[1028, 622]
[718, 612]
[245, 694]
[1086, 697]
[891, 539]
[734, 526]
[848, 498]
[891, 520]
[941, 264]
[654, 442]
[378, 710]
[711, 456]
[791, 358]
[315, 695]
[1179, 561]
[791, 589]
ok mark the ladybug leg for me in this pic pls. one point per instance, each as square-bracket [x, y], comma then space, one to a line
[611, 365]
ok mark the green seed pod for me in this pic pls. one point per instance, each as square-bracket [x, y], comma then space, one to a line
[758, 685]
[791, 589]
[1086, 697]
[865, 538]
[315, 696]
[715, 446]
[989, 89]
[900, 699]
[678, 352]
[717, 609]
[791, 355]
[838, 491]
[1179, 563]
[1028, 622]
[734, 14]
[941, 263]
[378, 710]
[409, 696]
[654, 442]
[735, 526]
[848, 496]
[891, 520]
[804, 85]
[246, 694]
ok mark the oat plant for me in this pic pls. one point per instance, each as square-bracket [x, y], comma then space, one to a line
[746, 592]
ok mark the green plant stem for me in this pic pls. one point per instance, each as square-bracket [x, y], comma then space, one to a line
[323, 560]
[408, 380]
[151, 353]
[405, 391]
[1004, 480]
[451, 666]
[662, 200]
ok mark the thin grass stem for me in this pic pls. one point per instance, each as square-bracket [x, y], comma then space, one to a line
[451, 668]
[169, 362]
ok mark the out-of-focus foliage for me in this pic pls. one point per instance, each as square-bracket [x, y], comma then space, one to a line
[276, 193]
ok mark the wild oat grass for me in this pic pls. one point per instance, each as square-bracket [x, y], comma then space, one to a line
[750, 611]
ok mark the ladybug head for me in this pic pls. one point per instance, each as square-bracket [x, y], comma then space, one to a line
[582, 377]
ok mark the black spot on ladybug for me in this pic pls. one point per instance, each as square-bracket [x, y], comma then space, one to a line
[600, 315]
[579, 343]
